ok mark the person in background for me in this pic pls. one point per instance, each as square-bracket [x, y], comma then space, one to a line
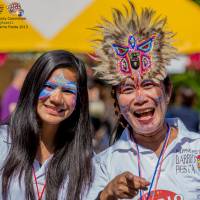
[185, 99]
[151, 157]
[46, 147]
[98, 114]
[101, 130]
[11, 94]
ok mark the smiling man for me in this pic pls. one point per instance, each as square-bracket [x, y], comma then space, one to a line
[151, 157]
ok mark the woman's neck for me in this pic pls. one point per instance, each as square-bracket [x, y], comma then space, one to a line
[46, 144]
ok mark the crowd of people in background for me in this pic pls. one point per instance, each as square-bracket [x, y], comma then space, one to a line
[183, 108]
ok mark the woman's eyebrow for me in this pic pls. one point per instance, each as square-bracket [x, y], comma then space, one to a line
[68, 84]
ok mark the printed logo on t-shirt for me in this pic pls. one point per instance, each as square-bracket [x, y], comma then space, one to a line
[198, 161]
[162, 195]
[187, 161]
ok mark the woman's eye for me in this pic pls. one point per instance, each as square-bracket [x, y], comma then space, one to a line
[49, 87]
[69, 91]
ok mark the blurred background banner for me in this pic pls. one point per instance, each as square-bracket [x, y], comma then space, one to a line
[63, 24]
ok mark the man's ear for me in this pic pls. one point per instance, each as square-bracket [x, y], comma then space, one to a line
[169, 92]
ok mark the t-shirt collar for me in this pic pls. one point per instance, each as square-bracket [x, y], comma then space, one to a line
[126, 143]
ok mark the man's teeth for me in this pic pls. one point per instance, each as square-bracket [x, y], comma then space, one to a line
[144, 111]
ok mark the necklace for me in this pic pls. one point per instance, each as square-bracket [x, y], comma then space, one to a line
[159, 162]
[37, 187]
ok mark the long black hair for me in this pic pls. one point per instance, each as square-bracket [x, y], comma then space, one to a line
[73, 143]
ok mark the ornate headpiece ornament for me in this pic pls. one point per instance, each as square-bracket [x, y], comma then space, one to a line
[133, 46]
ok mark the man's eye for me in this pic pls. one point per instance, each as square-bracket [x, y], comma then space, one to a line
[127, 89]
[148, 85]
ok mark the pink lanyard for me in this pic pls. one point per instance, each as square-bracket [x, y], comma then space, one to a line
[37, 187]
[160, 161]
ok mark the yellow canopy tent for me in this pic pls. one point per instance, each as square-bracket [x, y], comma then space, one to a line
[72, 34]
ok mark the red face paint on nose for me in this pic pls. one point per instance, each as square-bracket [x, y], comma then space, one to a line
[137, 79]
[137, 82]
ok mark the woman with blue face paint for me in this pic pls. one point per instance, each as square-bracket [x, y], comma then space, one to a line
[46, 147]
[151, 158]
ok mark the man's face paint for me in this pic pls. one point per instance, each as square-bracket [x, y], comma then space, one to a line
[159, 100]
[57, 81]
[143, 105]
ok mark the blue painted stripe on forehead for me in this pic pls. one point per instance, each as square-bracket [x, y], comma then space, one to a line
[46, 93]
[71, 84]
[67, 84]
[48, 83]
[58, 81]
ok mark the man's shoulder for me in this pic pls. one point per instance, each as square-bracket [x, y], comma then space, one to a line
[123, 143]
[104, 155]
[194, 136]
[188, 136]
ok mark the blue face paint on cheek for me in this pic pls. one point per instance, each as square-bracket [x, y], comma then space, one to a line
[158, 100]
[47, 90]
[44, 94]
[126, 106]
[123, 108]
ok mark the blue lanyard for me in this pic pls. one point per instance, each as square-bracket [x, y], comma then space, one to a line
[158, 162]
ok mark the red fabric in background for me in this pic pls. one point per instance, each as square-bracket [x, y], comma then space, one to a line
[3, 58]
[194, 61]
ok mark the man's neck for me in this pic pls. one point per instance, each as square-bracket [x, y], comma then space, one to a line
[155, 141]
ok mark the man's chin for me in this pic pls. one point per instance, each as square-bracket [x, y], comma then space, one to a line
[146, 130]
[146, 134]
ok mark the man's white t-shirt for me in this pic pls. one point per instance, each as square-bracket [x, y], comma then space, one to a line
[180, 171]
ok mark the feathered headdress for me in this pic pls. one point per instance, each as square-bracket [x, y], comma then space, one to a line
[133, 46]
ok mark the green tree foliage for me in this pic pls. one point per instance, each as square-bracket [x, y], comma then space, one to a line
[191, 79]
[197, 1]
